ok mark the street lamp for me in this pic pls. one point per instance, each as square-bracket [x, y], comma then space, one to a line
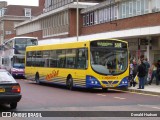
[77, 21]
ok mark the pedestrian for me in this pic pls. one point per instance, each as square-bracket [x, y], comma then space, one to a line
[153, 71]
[141, 72]
[158, 72]
[135, 67]
[131, 73]
[147, 69]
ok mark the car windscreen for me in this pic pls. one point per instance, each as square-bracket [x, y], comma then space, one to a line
[6, 77]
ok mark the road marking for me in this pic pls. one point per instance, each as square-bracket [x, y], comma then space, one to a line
[149, 106]
[120, 98]
[156, 108]
[138, 93]
[101, 95]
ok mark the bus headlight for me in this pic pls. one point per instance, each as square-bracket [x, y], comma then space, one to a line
[96, 82]
[126, 82]
[92, 81]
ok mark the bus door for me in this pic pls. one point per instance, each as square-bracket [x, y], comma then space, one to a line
[82, 65]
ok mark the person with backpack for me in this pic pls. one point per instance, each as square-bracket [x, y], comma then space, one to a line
[141, 72]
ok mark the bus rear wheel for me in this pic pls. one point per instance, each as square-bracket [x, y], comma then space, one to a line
[69, 83]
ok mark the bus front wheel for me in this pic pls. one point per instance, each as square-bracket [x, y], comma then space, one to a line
[69, 83]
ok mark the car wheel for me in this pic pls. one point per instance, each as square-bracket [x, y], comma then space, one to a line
[13, 105]
[70, 83]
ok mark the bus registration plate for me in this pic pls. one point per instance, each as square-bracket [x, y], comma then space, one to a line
[109, 85]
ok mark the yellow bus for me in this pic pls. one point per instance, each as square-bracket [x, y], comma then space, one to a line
[99, 63]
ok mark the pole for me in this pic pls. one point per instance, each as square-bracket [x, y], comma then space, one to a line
[77, 20]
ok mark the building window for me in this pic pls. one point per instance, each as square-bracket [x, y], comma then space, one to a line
[84, 20]
[105, 14]
[8, 32]
[123, 10]
[96, 17]
[155, 6]
[87, 19]
[50, 3]
[101, 16]
[138, 7]
[2, 11]
[130, 9]
[28, 12]
[91, 18]
[146, 6]
[116, 12]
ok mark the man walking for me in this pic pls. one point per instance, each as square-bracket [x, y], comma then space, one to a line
[141, 72]
[147, 69]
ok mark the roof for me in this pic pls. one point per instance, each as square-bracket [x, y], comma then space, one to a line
[18, 10]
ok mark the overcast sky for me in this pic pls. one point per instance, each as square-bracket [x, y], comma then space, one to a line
[22, 2]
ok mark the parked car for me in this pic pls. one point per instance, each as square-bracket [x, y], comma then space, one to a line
[10, 91]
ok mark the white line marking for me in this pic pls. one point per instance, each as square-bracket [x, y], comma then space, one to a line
[156, 108]
[120, 98]
[101, 95]
[149, 106]
[138, 93]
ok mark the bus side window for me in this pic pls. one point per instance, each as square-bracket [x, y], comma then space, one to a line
[70, 58]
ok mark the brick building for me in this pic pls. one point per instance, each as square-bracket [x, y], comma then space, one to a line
[12, 15]
[136, 21]
[58, 20]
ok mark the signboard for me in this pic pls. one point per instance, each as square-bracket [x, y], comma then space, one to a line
[108, 44]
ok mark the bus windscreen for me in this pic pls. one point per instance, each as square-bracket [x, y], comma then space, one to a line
[22, 43]
[109, 57]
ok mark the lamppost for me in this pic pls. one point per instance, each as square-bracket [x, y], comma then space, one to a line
[77, 20]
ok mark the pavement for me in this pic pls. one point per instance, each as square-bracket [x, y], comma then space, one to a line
[148, 89]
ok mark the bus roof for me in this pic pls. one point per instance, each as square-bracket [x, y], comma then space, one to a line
[67, 44]
[67, 40]
[20, 37]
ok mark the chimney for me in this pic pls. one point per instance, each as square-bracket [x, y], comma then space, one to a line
[41, 3]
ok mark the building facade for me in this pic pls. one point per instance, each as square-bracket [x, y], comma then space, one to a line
[58, 20]
[136, 21]
[12, 15]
